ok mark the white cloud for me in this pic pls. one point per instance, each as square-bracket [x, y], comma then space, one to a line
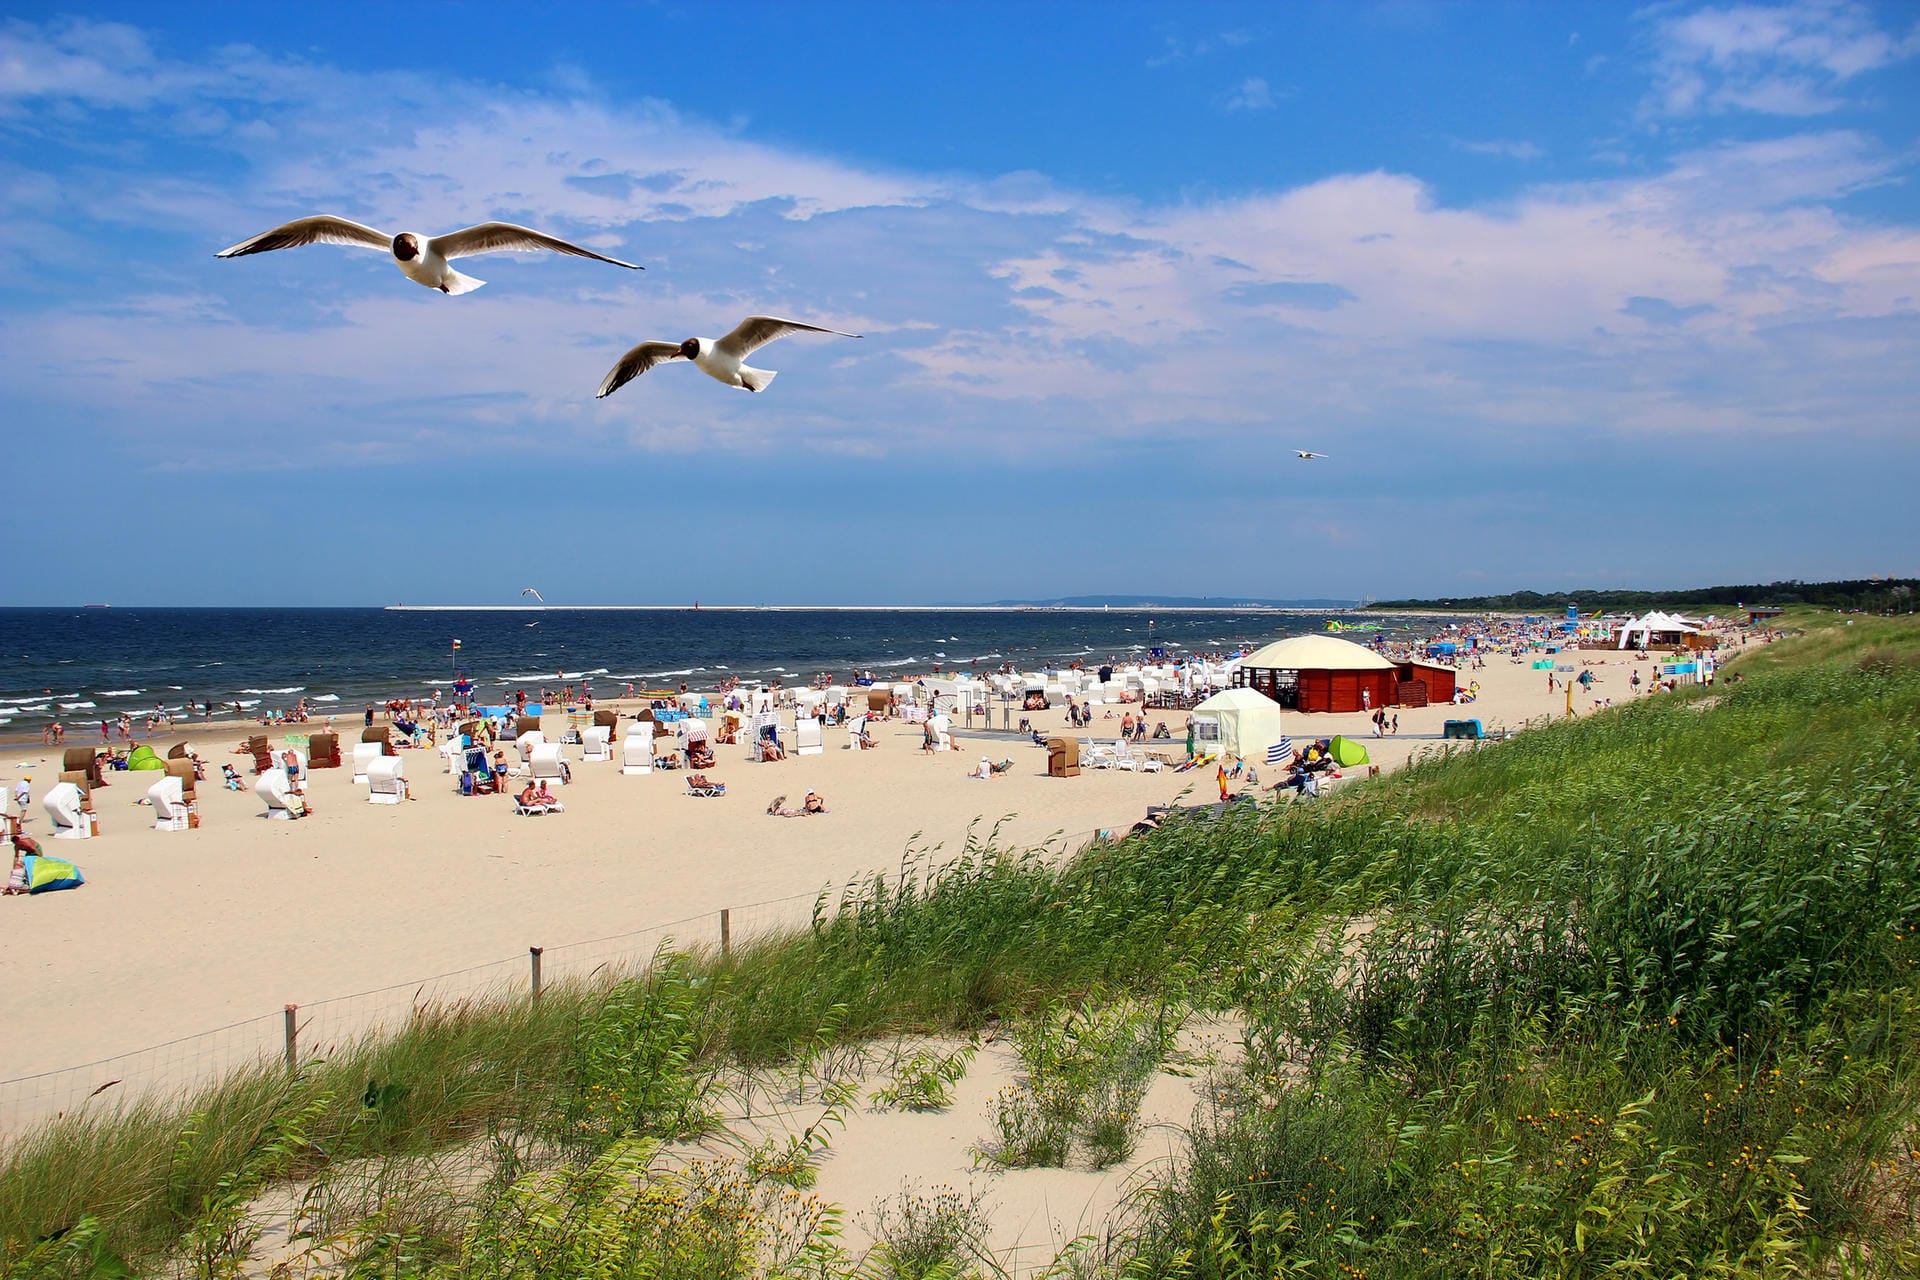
[1791, 59]
[1251, 94]
[1510, 150]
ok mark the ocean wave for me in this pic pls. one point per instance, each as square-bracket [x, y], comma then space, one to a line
[292, 688]
[75, 706]
[245, 703]
[119, 693]
[325, 697]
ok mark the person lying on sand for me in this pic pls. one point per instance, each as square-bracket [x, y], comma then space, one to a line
[811, 805]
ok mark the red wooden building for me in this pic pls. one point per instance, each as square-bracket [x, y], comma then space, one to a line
[1322, 673]
[1422, 684]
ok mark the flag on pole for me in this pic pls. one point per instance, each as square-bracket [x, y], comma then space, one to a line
[1280, 752]
[456, 644]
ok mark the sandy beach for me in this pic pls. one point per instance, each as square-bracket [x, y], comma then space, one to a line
[177, 933]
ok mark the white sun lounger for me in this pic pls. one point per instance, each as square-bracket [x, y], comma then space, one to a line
[386, 781]
[65, 807]
[170, 809]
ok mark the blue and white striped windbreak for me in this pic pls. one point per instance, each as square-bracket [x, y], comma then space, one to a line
[1280, 752]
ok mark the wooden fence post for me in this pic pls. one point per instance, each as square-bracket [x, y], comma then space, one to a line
[533, 957]
[726, 931]
[293, 1037]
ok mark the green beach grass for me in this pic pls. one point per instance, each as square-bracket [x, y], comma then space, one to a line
[1631, 994]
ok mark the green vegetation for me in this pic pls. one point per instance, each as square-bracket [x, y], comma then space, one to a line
[1629, 994]
[1871, 595]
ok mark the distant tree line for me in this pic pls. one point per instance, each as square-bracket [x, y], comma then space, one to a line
[1871, 595]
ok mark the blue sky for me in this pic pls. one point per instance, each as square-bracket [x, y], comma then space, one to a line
[1574, 295]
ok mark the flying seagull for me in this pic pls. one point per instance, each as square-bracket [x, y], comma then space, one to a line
[719, 360]
[424, 259]
[529, 591]
[1306, 455]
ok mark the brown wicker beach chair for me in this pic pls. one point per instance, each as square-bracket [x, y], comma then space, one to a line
[83, 761]
[323, 751]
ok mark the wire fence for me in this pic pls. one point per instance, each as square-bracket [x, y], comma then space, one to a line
[300, 1033]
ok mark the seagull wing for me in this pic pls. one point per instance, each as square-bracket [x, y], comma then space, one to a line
[635, 363]
[324, 229]
[757, 331]
[490, 237]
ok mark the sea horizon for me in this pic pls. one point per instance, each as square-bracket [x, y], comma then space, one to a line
[84, 665]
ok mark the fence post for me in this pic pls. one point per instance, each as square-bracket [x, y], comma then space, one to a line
[293, 1037]
[533, 957]
[726, 931]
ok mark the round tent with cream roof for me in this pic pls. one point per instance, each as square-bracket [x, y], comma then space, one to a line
[1319, 673]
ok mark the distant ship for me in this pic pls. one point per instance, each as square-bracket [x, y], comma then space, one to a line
[96, 606]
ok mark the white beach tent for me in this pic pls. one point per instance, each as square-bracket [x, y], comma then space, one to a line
[1249, 722]
[1640, 632]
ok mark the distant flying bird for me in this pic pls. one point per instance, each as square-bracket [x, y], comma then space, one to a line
[529, 591]
[423, 258]
[719, 360]
[1307, 455]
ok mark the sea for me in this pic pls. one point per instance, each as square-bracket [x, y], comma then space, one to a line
[84, 665]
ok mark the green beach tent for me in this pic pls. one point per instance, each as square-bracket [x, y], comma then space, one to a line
[144, 757]
[1347, 753]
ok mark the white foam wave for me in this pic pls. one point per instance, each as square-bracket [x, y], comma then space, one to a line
[326, 697]
[119, 693]
[244, 703]
[75, 706]
[292, 688]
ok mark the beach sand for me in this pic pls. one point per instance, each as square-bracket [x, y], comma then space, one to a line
[178, 933]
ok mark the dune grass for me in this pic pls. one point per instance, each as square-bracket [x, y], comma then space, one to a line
[1635, 992]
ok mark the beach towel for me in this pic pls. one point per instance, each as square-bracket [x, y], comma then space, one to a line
[44, 874]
